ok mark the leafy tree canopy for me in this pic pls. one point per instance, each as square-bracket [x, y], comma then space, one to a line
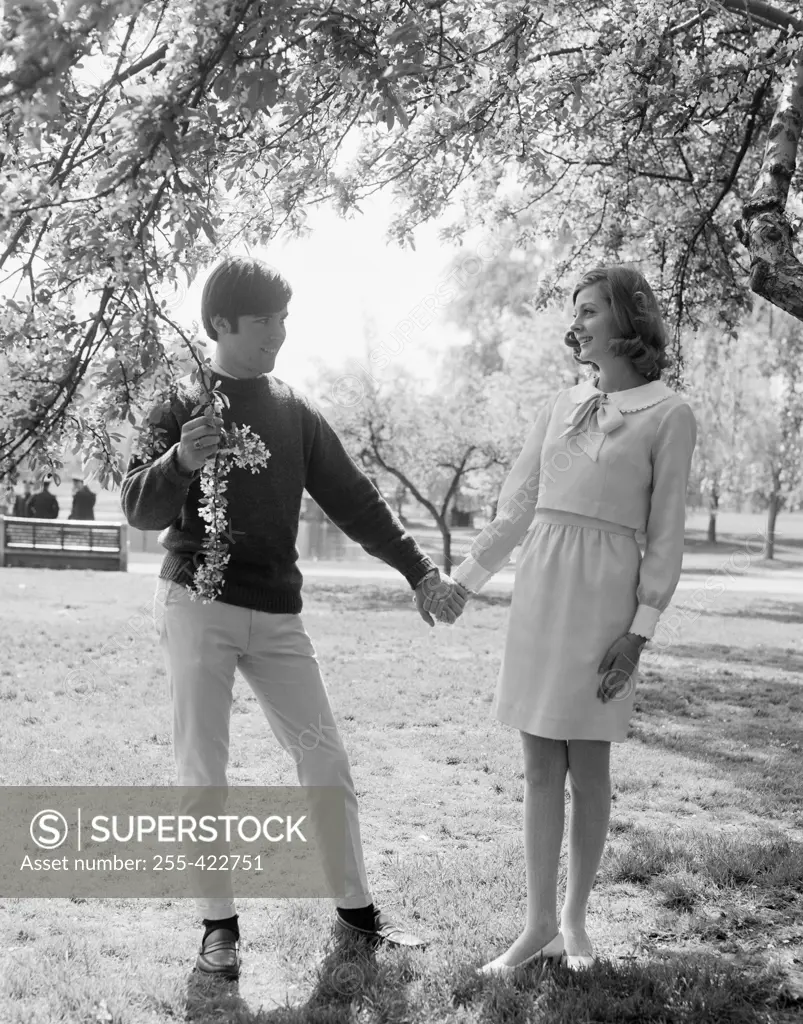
[141, 140]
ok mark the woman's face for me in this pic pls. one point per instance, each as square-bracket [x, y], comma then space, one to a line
[593, 325]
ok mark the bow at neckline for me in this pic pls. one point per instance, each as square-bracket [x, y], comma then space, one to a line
[579, 421]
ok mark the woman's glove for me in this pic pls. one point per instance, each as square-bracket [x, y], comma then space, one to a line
[619, 666]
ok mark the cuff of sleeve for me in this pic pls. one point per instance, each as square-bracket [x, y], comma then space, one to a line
[172, 471]
[645, 621]
[471, 575]
[416, 575]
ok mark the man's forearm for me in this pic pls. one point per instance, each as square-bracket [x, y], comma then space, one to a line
[153, 494]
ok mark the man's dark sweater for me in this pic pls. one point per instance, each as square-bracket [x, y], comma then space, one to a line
[263, 508]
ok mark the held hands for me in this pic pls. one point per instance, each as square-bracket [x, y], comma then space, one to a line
[199, 441]
[619, 666]
[442, 597]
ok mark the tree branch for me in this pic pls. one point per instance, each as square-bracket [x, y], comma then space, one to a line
[762, 12]
[458, 475]
[402, 477]
[146, 62]
[680, 273]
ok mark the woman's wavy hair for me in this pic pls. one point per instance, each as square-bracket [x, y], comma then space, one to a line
[636, 315]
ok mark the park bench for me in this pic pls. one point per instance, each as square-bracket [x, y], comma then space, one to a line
[70, 544]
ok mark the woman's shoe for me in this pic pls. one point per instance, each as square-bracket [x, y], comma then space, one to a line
[553, 950]
[579, 962]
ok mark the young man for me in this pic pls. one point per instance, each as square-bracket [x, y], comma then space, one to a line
[255, 624]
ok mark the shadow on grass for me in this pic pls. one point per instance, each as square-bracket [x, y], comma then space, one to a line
[680, 989]
[770, 611]
[789, 661]
[349, 974]
[210, 998]
[688, 869]
[728, 543]
[702, 710]
[379, 596]
[748, 728]
[675, 990]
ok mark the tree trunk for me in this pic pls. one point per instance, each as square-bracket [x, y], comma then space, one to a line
[446, 534]
[772, 515]
[401, 496]
[775, 272]
[713, 508]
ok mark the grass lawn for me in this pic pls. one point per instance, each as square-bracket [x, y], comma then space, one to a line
[698, 907]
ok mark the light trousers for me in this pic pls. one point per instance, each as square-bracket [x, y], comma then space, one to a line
[202, 645]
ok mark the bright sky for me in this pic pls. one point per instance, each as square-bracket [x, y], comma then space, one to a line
[347, 280]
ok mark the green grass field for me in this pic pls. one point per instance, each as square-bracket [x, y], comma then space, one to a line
[698, 908]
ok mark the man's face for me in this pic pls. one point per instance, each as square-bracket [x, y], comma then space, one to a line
[253, 349]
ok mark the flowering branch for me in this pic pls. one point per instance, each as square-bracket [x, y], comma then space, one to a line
[239, 447]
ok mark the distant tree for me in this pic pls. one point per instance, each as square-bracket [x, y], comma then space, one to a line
[718, 391]
[493, 300]
[748, 399]
[775, 434]
[430, 444]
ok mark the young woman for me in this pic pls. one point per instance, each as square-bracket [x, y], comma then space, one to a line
[603, 461]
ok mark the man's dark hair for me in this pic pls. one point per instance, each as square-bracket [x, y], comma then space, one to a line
[242, 286]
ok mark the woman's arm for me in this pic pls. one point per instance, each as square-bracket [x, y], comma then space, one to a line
[493, 547]
[663, 557]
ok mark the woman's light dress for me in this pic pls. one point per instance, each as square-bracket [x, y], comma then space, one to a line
[595, 471]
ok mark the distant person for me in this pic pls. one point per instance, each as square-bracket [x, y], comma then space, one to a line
[22, 502]
[44, 505]
[9, 499]
[83, 500]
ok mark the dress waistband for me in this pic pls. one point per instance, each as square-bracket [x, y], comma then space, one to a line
[553, 515]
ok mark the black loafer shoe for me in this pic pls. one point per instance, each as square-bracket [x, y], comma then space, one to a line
[385, 931]
[218, 955]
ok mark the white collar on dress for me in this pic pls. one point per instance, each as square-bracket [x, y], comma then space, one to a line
[631, 400]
